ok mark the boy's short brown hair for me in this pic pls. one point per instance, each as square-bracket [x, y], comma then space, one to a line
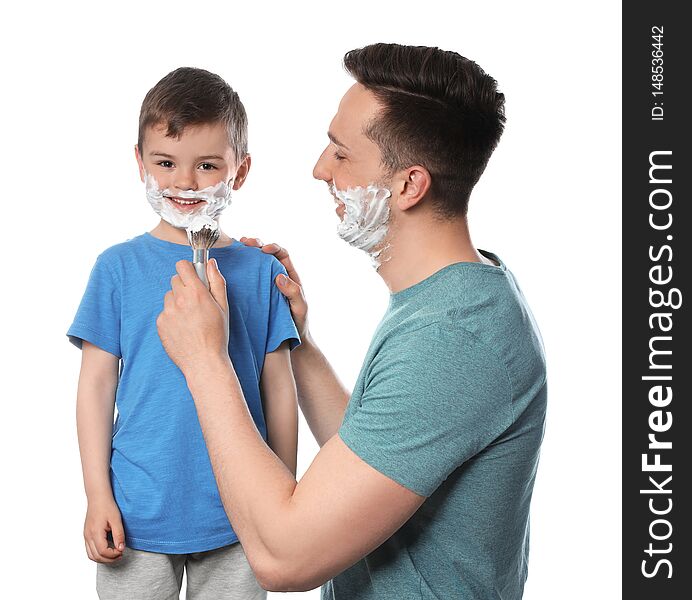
[190, 96]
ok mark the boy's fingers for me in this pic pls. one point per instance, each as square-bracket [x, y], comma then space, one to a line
[88, 550]
[118, 534]
[103, 552]
[95, 554]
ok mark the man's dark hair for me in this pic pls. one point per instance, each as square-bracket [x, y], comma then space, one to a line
[440, 111]
[189, 96]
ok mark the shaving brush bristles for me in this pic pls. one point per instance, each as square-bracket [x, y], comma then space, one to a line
[203, 238]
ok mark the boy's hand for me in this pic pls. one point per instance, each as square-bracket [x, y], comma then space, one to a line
[193, 325]
[289, 286]
[103, 518]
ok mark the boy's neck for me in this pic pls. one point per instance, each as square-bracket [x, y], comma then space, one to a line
[165, 231]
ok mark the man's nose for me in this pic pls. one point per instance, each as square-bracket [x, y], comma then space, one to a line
[321, 170]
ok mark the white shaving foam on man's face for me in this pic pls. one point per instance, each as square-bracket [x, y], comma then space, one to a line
[216, 198]
[366, 215]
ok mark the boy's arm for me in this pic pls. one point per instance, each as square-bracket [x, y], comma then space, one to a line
[98, 381]
[280, 405]
[321, 394]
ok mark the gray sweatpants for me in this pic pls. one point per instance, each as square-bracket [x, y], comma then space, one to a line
[221, 574]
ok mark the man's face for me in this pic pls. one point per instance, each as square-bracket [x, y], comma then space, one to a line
[351, 159]
[200, 158]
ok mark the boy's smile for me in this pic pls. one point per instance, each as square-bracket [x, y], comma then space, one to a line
[189, 175]
[181, 202]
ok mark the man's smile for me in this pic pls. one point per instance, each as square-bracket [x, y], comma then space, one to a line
[340, 206]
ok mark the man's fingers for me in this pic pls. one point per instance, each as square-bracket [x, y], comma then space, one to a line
[177, 284]
[168, 300]
[281, 254]
[187, 273]
[217, 284]
[254, 242]
[293, 293]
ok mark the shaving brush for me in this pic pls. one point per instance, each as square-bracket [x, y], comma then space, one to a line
[202, 235]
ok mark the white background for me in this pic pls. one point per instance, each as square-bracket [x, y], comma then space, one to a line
[74, 75]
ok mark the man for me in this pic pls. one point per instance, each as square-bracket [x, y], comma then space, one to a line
[422, 485]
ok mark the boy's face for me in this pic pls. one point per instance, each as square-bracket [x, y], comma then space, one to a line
[200, 158]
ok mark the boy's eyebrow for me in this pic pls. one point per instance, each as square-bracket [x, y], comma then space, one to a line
[209, 157]
[332, 137]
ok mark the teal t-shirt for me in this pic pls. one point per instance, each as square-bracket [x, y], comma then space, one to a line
[451, 403]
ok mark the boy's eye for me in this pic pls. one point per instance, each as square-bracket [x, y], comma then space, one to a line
[207, 167]
[166, 164]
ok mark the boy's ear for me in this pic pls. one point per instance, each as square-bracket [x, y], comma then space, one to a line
[140, 164]
[241, 172]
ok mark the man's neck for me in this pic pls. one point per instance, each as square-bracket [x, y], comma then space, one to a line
[166, 231]
[416, 252]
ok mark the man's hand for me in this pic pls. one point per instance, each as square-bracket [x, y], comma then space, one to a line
[193, 325]
[289, 286]
[103, 517]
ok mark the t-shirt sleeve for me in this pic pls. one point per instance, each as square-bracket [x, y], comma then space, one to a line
[281, 325]
[98, 317]
[432, 399]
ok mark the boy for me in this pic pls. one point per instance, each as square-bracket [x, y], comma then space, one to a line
[153, 505]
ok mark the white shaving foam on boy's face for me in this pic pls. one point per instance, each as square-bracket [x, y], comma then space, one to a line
[200, 222]
[366, 215]
[216, 199]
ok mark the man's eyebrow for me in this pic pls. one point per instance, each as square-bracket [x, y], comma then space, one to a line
[209, 157]
[332, 137]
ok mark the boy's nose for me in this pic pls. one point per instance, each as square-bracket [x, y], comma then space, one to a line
[185, 180]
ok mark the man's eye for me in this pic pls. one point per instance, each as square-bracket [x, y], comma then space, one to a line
[207, 167]
[338, 156]
[166, 164]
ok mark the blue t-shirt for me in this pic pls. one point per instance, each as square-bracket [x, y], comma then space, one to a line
[161, 474]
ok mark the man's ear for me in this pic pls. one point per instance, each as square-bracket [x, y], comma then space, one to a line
[241, 172]
[414, 184]
[140, 164]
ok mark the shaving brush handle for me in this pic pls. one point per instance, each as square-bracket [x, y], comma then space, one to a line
[199, 261]
[201, 269]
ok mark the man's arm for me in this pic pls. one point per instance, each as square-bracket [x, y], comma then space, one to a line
[279, 403]
[290, 530]
[296, 535]
[321, 395]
